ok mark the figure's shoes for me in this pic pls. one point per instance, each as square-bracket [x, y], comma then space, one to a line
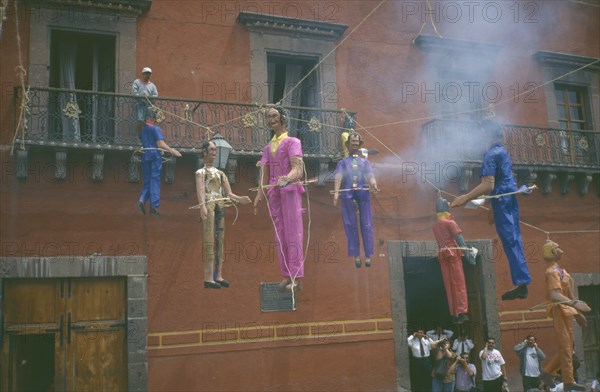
[211, 285]
[283, 285]
[140, 207]
[454, 318]
[357, 262]
[462, 318]
[154, 211]
[368, 262]
[519, 292]
[223, 282]
[574, 387]
[548, 380]
[296, 286]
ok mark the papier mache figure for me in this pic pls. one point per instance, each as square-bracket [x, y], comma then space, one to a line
[214, 191]
[282, 164]
[497, 179]
[563, 308]
[153, 141]
[354, 176]
[450, 251]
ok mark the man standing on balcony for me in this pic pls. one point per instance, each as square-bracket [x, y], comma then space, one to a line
[354, 175]
[497, 178]
[282, 160]
[152, 141]
[143, 88]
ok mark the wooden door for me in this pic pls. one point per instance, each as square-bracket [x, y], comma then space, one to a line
[64, 334]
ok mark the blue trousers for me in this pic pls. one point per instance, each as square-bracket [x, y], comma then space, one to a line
[438, 386]
[506, 219]
[151, 190]
[363, 199]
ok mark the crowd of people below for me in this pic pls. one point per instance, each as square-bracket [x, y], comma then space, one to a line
[440, 363]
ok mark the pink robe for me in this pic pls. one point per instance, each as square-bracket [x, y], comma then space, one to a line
[285, 207]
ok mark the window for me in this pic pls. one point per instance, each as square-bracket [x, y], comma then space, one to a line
[82, 62]
[283, 79]
[571, 105]
[571, 116]
[282, 52]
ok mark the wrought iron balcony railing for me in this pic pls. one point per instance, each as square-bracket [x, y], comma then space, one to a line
[528, 146]
[85, 119]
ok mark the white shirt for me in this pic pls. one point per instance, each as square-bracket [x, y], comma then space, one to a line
[595, 386]
[532, 363]
[490, 367]
[415, 347]
[446, 333]
[462, 346]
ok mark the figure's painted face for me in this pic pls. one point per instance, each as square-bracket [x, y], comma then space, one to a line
[211, 153]
[274, 120]
[354, 143]
[551, 251]
[146, 76]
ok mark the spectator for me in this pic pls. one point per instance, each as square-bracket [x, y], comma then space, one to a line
[143, 88]
[492, 367]
[444, 367]
[420, 347]
[439, 333]
[596, 383]
[530, 357]
[462, 344]
[465, 374]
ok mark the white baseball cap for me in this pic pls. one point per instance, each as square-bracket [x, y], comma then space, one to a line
[146, 69]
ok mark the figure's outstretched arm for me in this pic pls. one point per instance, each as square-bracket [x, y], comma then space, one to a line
[162, 144]
[485, 186]
[233, 196]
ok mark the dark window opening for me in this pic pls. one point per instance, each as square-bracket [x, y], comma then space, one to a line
[82, 62]
[292, 83]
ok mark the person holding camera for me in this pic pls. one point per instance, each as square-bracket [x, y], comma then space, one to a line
[493, 372]
[465, 374]
[530, 356]
[420, 347]
[444, 367]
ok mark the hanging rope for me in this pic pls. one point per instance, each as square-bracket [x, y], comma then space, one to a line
[21, 72]
[430, 13]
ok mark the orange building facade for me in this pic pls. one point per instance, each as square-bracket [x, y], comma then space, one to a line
[124, 307]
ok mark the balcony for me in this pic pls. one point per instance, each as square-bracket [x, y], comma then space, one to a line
[106, 122]
[539, 155]
[124, 6]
